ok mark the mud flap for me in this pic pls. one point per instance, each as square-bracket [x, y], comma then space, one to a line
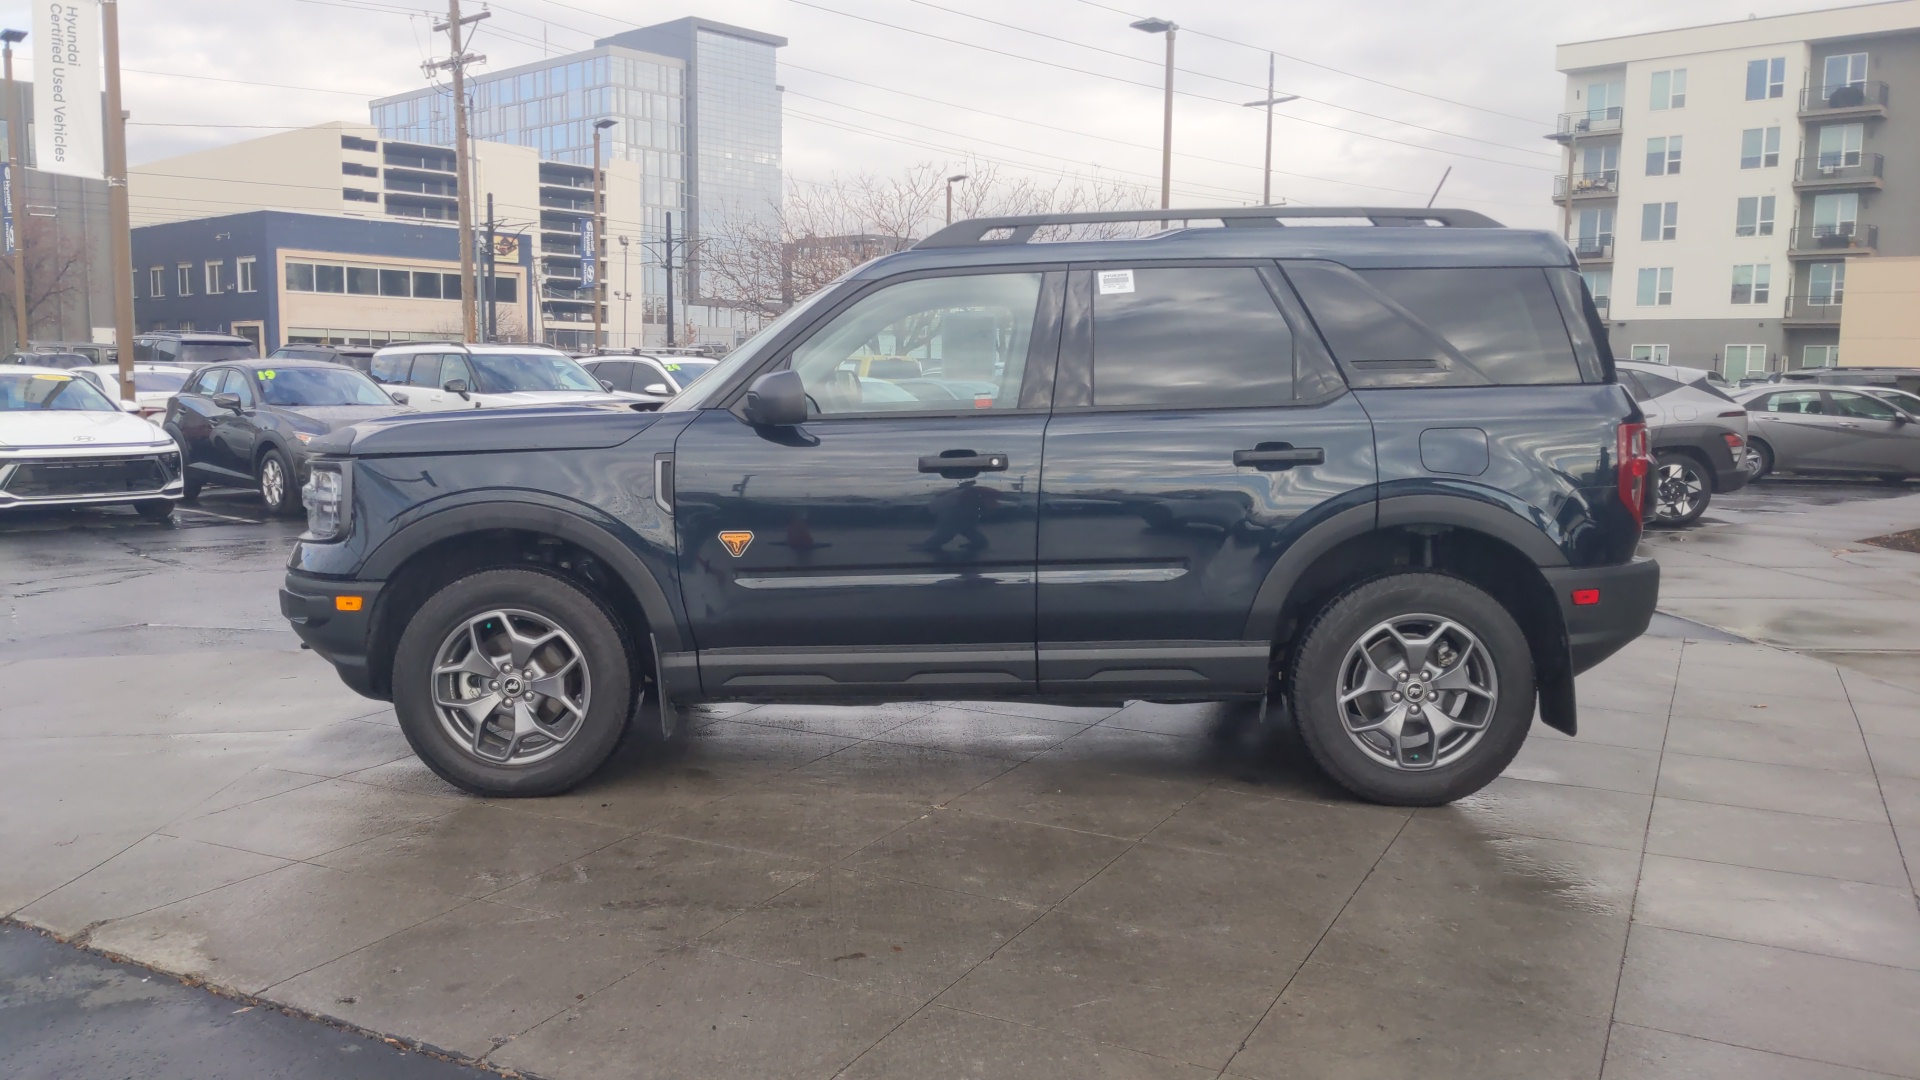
[1557, 708]
[669, 716]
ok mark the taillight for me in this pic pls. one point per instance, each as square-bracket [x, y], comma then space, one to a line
[1636, 461]
[1734, 442]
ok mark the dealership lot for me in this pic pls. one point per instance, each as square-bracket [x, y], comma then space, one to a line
[1715, 879]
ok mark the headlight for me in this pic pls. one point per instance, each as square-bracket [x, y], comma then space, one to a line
[305, 436]
[326, 497]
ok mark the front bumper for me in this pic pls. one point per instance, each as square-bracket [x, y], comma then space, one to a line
[1626, 596]
[103, 476]
[342, 638]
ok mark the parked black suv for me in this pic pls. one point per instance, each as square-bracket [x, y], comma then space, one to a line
[1378, 475]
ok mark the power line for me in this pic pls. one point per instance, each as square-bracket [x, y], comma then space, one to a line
[1329, 67]
[1225, 79]
[1153, 86]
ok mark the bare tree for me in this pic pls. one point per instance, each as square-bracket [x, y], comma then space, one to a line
[56, 269]
[765, 259]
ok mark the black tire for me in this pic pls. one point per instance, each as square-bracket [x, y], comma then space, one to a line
[278, 485]
[1680, 486]
[158, 511]
[604, 646]
[1321, 663]
[190, 484]
[1764, 454]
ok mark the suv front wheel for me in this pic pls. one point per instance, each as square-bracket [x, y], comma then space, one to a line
[1414, 689]
[513, 683]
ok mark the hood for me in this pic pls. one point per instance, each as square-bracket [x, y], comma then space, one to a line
[550, 397]
[562, 427]
[76, 430]
[323, 418]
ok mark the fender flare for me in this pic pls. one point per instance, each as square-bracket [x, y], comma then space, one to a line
[547, 518]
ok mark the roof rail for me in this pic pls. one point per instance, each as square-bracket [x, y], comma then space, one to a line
[1020, 229]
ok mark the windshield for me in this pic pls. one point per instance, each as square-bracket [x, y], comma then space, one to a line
[743, 355]
[194, 352]
[58, 393]
[318, 386]
[503, 373]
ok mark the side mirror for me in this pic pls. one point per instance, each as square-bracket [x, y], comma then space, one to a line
[456, 386]
[1901, 416]
[607, 385]
[230, 402]
[776, 399]
[129, 406]
[658, 388]
[398, 397]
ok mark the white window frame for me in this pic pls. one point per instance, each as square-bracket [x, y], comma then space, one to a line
[243, 279]
[214, 266]
[1769, 155]
[1756, 279]
[183, 279]
[1669, 90]
[1846, 213]
[1669, 154]
[1829, 356]
[1854, 75]
[1662, 286]
[1746, 368]
[1651, 354]
[1773, 78]
[1839, 146]
[156, 282]
[1664, 220]
[1761, 223]
[1836, 275]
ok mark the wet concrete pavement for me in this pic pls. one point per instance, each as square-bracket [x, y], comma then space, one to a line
[1715, 879]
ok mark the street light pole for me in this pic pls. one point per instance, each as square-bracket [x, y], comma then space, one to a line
[15, 132]
[599, 229]
[1167, 27]
[952, 180]
[119, 212]
[1272, 99]
[625, 295]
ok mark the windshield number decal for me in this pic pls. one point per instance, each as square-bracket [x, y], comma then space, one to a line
[263, 376]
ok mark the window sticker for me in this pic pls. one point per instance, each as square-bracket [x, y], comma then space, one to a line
[1115, 281]
[53, 378]
[263, 376]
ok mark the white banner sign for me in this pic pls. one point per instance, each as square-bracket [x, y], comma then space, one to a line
[66, 93]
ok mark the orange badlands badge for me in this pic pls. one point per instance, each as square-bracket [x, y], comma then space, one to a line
[736, 542]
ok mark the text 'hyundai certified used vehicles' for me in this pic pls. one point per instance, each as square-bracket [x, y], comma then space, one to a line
[248, 424]
[1376, 475]
[64, 443]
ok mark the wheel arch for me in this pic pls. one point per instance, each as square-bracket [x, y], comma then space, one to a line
[429, 553]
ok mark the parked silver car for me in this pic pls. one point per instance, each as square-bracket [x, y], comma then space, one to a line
[1832, 429]
[1699, 437]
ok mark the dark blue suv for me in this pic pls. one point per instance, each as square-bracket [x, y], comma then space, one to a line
[1374, 473]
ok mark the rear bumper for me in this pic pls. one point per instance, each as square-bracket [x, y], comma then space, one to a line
[340, 637]
[1627, 596]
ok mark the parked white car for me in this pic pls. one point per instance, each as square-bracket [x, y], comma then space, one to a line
[443, 376]
[64, 443]
[153, 384]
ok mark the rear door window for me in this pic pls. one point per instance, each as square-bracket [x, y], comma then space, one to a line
[1440, 326]
[426, 371]
[1188, 337]
[1793, 402]
[390, 367]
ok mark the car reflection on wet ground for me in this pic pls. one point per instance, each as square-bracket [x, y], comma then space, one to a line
[1708, 882]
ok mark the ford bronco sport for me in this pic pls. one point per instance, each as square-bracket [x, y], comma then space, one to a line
[1376, 474]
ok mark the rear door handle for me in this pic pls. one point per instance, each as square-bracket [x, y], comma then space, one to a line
[1271, 460]
[963, 460]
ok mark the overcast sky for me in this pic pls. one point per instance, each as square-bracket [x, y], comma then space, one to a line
[929, 89]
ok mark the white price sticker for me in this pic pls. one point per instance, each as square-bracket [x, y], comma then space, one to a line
[1115, 281]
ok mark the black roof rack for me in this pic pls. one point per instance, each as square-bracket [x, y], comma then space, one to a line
[1020, 229]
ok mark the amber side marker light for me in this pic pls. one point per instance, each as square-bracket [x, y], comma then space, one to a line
[352, 603]
[1581, 598]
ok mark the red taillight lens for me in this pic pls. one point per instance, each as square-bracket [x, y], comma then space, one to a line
[1734, 442]
[1586, 597]
[1636, 461]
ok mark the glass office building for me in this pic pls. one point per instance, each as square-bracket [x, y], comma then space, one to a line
[695, 103]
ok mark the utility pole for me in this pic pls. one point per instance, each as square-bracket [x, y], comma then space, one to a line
[119, 215]
[952, 180]
[597, 287]
[1167, 27]
[15, 132]
[669, 269]
[457, 64]
[490, 292]
[1272, 99]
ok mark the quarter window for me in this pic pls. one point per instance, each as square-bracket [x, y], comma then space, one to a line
[941, 344]
[390, 367]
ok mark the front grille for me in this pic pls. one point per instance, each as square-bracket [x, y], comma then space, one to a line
[86, 476]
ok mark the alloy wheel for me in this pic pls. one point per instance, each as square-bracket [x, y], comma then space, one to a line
[1417, 691]
[511, 687]
[273, 482]
[1679, 490]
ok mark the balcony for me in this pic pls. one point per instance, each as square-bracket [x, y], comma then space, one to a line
[1593, 249]
[1825, 241]
[1852, 171]
[1588, 185]
[1813, 310]
[1850, 101]
[1587, 123]
[1601, 304]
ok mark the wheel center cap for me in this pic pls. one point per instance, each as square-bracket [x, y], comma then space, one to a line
[511, 687]
[1416, 691]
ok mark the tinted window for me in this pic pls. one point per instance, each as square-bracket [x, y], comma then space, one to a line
[1439, 327]
[619, 373]
[1801, 402]
[1860, 406]
[390, 367]
[1631, 380]
[363, 281]
[1183, 337]
[941, 344]
[426, 371]
[453, 367]
[396, 283]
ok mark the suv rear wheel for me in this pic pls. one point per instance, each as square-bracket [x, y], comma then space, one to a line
[513, 683]
[1681, 488]
[1413, 690]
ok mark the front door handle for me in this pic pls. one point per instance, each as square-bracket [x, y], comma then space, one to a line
[963, 461]
[1269, 460]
